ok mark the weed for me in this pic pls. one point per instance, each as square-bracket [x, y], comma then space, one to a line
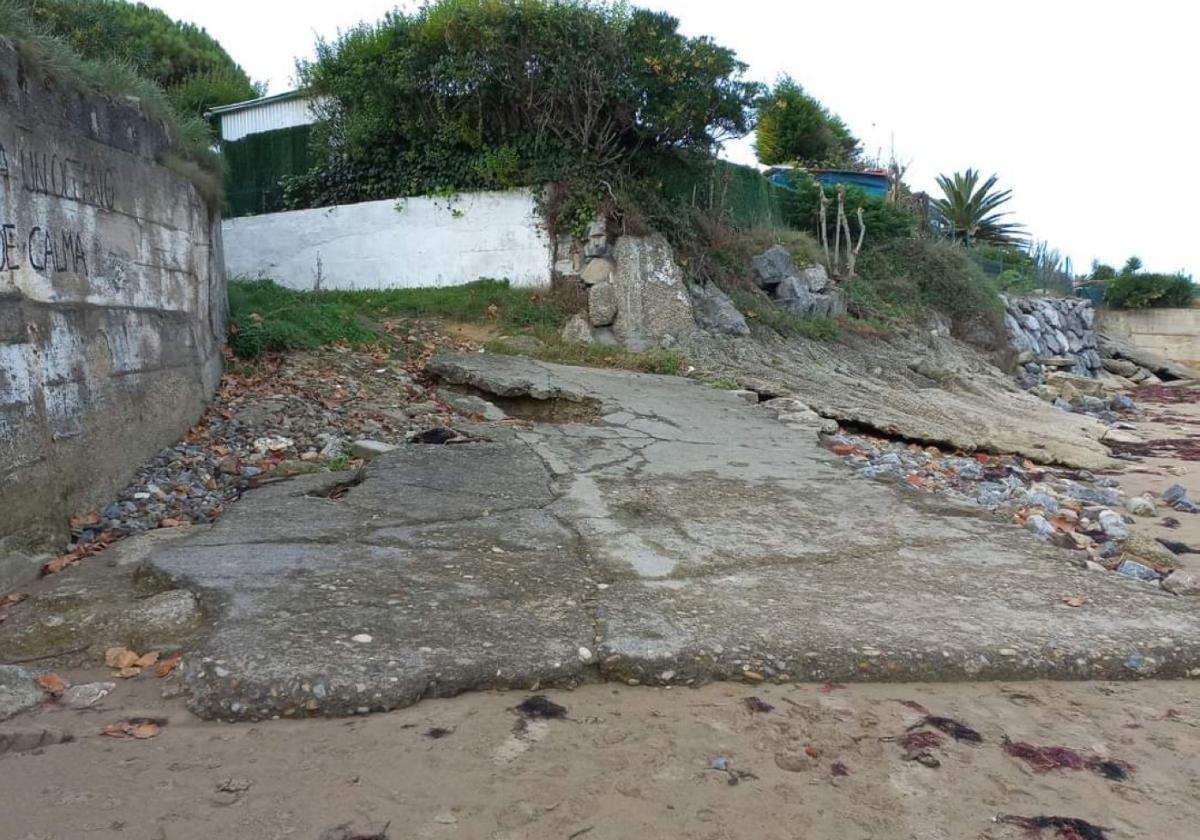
[758, 307]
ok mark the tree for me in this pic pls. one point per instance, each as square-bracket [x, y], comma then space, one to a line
[482, 93]
[794, 127]
[972, 210]
[183, 59]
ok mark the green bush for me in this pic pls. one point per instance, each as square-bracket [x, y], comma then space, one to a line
[794, 127]
[1144, 291]
[885, 220]
[901, 281]
[470, 94]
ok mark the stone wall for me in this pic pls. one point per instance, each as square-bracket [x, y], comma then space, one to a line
[1053, 332]
[395, 244]
[112, 304]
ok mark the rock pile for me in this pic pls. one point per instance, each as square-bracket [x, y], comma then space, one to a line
[637, 297]
[1053, 333]
[807, 291]
[1075, 510]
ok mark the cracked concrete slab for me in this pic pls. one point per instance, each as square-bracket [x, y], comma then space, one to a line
[682, 535]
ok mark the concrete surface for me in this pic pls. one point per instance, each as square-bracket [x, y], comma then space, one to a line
[112, 304]
[683, 535]
[1171, 333]
[396, 244]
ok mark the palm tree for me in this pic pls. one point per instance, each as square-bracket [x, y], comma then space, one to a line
[971, 211]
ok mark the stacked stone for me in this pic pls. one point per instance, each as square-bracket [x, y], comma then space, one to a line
[1053, 332]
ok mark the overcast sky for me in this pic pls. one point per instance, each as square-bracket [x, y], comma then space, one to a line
[1087, 110]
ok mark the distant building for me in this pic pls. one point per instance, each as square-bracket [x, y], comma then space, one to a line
[258, 116]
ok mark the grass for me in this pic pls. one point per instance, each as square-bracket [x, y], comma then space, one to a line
[757, 307]
[265, 318]
[62, 66]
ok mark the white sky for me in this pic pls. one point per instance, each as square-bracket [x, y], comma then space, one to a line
[1086, 110]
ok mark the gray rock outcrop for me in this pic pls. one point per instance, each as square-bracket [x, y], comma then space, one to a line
[653, 306]
[18, 691]
[716, 313]
[805, 291]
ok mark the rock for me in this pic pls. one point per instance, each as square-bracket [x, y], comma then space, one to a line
[471, 404]
[1142, 505]
[815, 278]
[1145, 549]
[602, 304]
[715, 312]
[1115, 348]
[1121, 436]
[525, 345]
[368, 449]
[228, 465]
[1114, 525]
[1123, 402]
[772, 267]
[17, 738]
[598, 270]
[87, 695]
[1121, 367]
[652, 301]
[750, 397]
[597, 239]
[1174, 493]
[165, 615]
[1038, 524]
[1182, 583]
[1134, 569]
[578, 330]
[794, 762]
[18, 692]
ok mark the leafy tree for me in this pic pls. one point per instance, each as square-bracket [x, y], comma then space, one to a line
[1132, 266]
[482, 93]
[181, 58]
[794, 127]
[972, 209]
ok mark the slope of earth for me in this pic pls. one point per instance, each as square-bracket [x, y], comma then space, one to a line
[926, 388]
[683, 535]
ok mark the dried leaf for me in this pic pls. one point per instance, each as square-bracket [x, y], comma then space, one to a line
[84, 520]
[1074, 600]
[171, 522]
[53, 567]
[147, 659]
[169, 664]
[130, 672]
[139, 728]
[120, 657]
[53, 683]
[812, 752]
[13, 598]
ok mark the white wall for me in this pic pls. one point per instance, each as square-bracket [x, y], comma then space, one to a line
[404, 243]
[267, 116]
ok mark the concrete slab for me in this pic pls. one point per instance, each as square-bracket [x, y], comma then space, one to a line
[683, 535]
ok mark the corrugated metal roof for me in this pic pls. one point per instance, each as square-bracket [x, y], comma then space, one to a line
[267, 114]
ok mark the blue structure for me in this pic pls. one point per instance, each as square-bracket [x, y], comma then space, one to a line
[875, 184]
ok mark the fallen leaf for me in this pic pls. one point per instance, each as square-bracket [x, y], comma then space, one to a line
[13, 598]
[129, 673]
[169, 664]
[120, 657]
[170, 522]
[147, 659]
[84, 520]
[53, 683]
[1073, 600]
[812, 752]
[139, 728]
[53, 567]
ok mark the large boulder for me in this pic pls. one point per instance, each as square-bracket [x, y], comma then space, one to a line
[18, 691]
[653, 305]
[716, 313]
[773, 267]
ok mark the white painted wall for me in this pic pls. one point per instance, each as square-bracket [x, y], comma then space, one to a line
[266, 116]
[405, 243]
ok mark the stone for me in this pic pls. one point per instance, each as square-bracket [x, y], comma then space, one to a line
[1040, 526]
[18, 692]
[1134, 569]
[368, 449]
[1174, 493]
[18, 738]
[794, 762]
[597, 270]
[1182, 583]
[1123, 402]
[87, 695]
[652, 300]
[1145, 549]
[1121, 367]
[602, 304]
[815, 277]
[749, 397]
[473, 405]
[1142, 505]
[578, 330]
[1111, 347]
[772, 267]
[1114, 525]
[716, 313]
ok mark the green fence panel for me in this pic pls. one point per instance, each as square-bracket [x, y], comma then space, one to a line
[255, 166]
[742, 193]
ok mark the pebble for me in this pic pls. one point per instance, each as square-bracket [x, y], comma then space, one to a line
[1134, 569]
[1114, 525]
[362, 639]
[1142, 506]
[87, 695]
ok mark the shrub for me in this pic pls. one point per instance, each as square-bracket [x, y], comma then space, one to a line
[1143, 291]
[468, 94]
[794, 127]
[885, 220]
[903, 280]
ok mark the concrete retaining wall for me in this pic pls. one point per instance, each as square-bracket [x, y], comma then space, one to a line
[112, 305]
[1173, 333]
[409, 243]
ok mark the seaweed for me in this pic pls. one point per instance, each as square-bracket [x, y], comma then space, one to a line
[540, 706]
[1068, 828]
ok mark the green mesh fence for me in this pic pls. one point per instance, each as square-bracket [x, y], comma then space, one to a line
[747, 198]
[256, 164]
